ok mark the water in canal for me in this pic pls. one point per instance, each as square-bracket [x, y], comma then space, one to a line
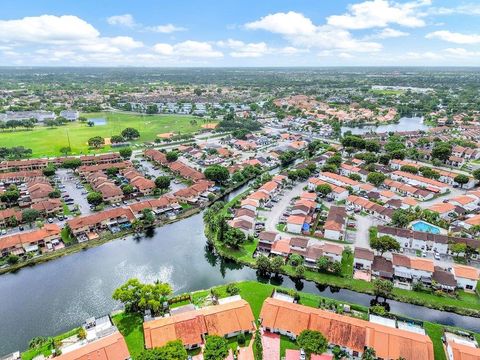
[404, 124]
[51, 298]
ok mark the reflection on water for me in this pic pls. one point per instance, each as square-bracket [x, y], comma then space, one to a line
[404, 124]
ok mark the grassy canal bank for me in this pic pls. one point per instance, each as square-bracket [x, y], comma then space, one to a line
[463, 303]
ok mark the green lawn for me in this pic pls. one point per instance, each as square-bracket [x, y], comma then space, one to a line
[435, 332]
[347, 264]
[48, 141]
[287, 343]
[131, 327]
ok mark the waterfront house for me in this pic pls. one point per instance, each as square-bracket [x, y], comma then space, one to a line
[226, 320]
[45, 239]
[352, 334]
[363, 258]
[108, 219]
[466, 276]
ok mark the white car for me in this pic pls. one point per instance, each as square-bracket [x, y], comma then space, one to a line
[437, 256]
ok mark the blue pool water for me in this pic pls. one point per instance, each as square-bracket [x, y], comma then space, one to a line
[98, 121]
[425, 227]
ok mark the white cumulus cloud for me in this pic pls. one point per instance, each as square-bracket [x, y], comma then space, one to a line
[454, 37]
[122, 20]
[291, 23]
[380, 13]
[47, 29]
[165, 29]
[189, 48]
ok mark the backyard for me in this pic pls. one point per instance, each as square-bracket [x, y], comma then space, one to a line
[45, 141]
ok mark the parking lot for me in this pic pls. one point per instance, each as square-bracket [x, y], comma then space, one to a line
[147, 168]
[73, 192]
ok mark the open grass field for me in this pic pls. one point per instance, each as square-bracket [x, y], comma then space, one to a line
[46, 141]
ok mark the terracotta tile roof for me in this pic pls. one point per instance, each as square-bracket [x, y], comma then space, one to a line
[281, 246]
[466, 272]
[336, 218]
[422, 264]
[419, 178]
[332, 249]
[299, 242]
[400, 260]
[29, 237]
[464, 352]
[190, 326]
[269, 186]
[362, 253]
[94, 219]
[111, 347]
[268, 235]
[443, 277]
[389, 343]
[442, 208]
[296, 219]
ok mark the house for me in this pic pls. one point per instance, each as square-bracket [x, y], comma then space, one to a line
[10, 214]
[48, 207]
[466, 276]
[44, 239]
[107, 219]
[70, 115]
[363, 258]
[269, 188]
[443, 280]
[250, 204]
[111, 347]
[338, 180]
[245, 226]
[281, 247]
[298, 245]
[417, 180]
[469, 203]
[225, 320]
[338, 193]
[425, 241]
[382, 268]
[334, 227]
[332, 251]
[412, 268]
[158, 206]
[457, 350]
[266, 240]
[352, 334]
[314, 252]
[295, 223]
[445, 210]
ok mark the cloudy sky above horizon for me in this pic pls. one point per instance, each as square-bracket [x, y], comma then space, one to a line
[240, 33]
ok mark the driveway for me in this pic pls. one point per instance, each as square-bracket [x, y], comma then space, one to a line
[271, 346]
[364, 223]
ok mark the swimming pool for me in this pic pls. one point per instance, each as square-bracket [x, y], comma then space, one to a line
[425, 227]
[98, 121]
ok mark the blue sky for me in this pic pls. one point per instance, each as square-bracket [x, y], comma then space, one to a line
[240, 32]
